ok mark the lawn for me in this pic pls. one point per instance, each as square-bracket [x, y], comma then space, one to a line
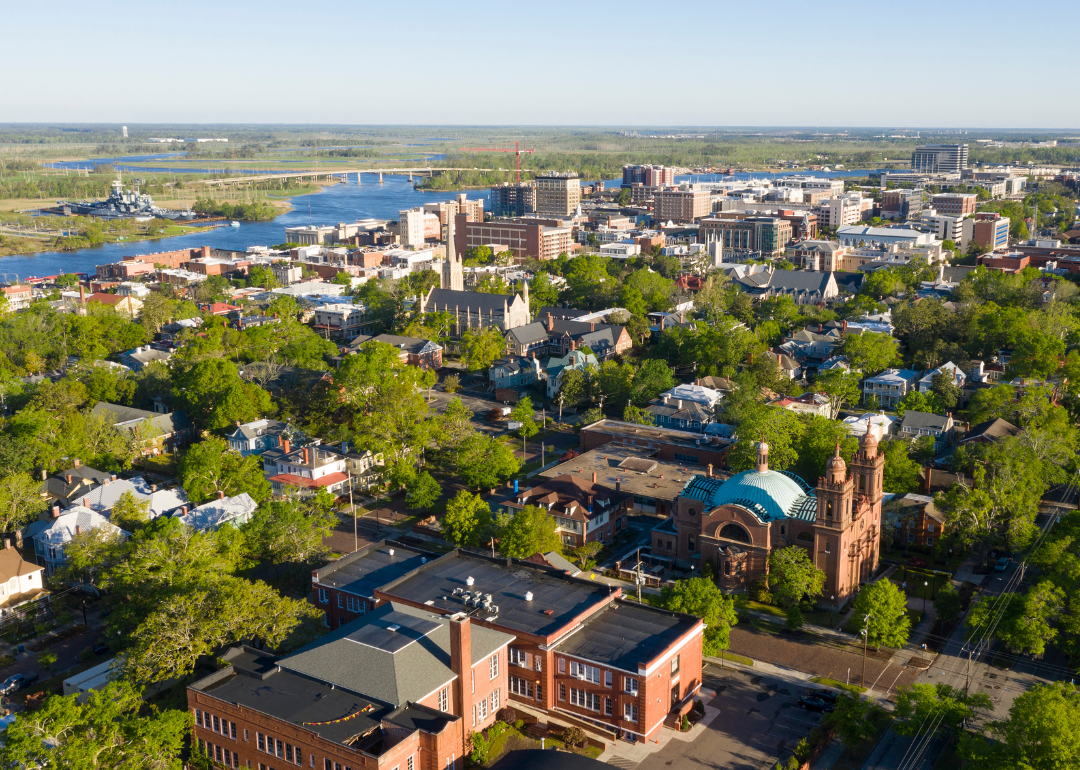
[920, 582]
[513, 739]
[851, 688]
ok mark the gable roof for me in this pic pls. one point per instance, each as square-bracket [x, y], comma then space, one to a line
[913, 419]
[127, 417]
[102, 499]
[437, 298]
[64, 527]
[527, 334]
[12, 564]
[788, 281]
[212, 515]
[992, 430]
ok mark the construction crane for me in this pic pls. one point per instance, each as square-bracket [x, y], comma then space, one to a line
[518, 152]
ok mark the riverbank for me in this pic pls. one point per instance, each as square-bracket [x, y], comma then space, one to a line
[16, 240]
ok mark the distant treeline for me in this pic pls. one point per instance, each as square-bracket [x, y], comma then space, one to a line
[251, 212]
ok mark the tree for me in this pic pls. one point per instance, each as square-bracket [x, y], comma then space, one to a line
[947, 604]
[572, 387]
[90, 554]
[467, 518]
[452, 383]
[851, 719]
[481, 347]
[652, 379]
[210, 467]
[423, 492]
[901, 474]
[283, 532]
[779, 428]
[541, 294]
[212, 393]
[702, 597]
[916, 401]
[841, 386]
[886, 606]
[1042, 732]
[528, 531]
[818, 443]
[1023, 622]
[949, 707]
[794, 618]
[944, 387]
[871, 352]
[637, 416]
[130, 513]
[586, 553]
[20, 501]
[485, 462]
[106, 732]
[523, 412]
[793, 577]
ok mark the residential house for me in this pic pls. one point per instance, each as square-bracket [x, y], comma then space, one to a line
[807, 403]
[128, 305]
[308, 468]
[787, 365]
[917, 424]
[254, 438]
[155, 432]
[515, 372]
[699, 394]
[19, 296]
[660, 322]
[989, 432]
[890, 387]
[879, 426]
[951, 369]
[51, 535]
[212, 516]
[171, 332]
[415, 351]
[161, 502]
[677, 414]
[20, 580]
[583, 511]
[913, 520]
[556, 368]
[558, 336]
[68, 485]
[137, 359]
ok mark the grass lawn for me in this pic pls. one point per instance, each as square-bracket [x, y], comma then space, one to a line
[917, 580]
[823, 619]
[766, 609]
[731, 657]
[852, 688]
[514, 739]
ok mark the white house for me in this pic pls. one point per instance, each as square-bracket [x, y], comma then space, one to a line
[102, 499]
[890, 387]
[879, 425]
[309, 467]
[52, 535]
[699, 394]
[950, 368]
[20, 580]
[209, 517]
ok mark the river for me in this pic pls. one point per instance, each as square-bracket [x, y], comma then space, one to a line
[336, 203]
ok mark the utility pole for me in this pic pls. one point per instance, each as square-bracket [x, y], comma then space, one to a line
[352, 512]
[638, 578]
[866, 640]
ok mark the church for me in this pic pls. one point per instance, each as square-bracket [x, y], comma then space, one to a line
[473, 309]
[726, 529]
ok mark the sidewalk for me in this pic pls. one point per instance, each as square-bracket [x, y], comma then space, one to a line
[627, 755]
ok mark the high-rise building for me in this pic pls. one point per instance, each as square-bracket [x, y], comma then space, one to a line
[768, 235]
[940, 158]
[124, 132]
[901, 204]
[681, 205]
[557, 194]
[474, 209]
[648, 175]
[988, 230]
[513, 200]
[523, 237]
[954, 204]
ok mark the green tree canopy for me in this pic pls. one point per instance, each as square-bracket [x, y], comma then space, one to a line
[886, 607]
[528, 531]
[467, 518]
[793, 577]
[702, 597]
[210, 467]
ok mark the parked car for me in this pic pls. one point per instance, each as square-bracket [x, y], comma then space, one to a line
[828, 696]
[17, 682]
[101, 648]
[810, 703]
[1002, 564]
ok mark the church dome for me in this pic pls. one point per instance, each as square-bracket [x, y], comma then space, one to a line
[769, 495]
[836, 463]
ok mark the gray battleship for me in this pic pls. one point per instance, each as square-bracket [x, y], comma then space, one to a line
[123, 204]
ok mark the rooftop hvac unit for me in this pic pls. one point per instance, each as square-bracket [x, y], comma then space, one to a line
[528, 596]
[487, 598]
[469, 580]
[494, 609]
[458, 591]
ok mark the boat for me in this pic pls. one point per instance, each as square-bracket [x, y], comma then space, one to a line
[729, 172]
[234, 223]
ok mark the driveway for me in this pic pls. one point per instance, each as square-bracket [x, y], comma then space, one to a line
[759, 722]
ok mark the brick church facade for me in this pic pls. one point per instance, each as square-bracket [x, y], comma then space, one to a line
[728, 528]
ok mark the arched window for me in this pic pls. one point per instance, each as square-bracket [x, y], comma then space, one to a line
[805, 536]
[735, 532]
[727, 568]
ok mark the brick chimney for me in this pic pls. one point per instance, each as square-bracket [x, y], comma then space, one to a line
[461, 662]
[709, 473]
[285, 445]
[7, 543]
[205, 252]
[221, 494]
[592, 326]
[550, 323]
[307, 456]
[662, 319]
[69, 478]
[573, 344]
[56, 511]
[78, 530]
[78, 462]
[594, 477]
[926, 482]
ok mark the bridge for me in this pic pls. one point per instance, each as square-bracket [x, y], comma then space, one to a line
[323, 175]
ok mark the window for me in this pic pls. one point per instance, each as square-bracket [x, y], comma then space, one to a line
[260, 741]
[607, 706]
[828, 548]
[675, 665]
[355, 604]
[539, 691]
[929, 541]
[562, 665]
[495, 701]
[340, 601]
[562, 691]
[494, 665]
[217, 725]
[630, 712]
[630, 685]
[198, 717]
[585, 699]
[217, 754]
[584, 672]
[443, 701]
[288, 752]
[324, 597]
[518, 657]
[537, 662]
[691, 459]
[245, 735]
[929, 527]
[280, 749]
[232, 730]
[409, 764]
[474, 716]
[520, 686]
[911, 538]
[328, 765]
[691, 544]
[483, 706]
[607, 679]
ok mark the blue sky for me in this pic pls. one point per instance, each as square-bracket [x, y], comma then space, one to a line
[673, 62]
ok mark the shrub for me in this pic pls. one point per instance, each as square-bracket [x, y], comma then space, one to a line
[452, 383]
[496, 730]
[794, 618]
[480, 749]
[758, 591]
[685, 724]
[573, 737]
[506, 714]
[802, 750]
[699, 707]
[519, 724]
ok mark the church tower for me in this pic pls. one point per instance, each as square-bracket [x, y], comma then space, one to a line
[835, 494]
[452, 274]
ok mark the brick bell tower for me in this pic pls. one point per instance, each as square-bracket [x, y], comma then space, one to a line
[868, 474]
[833, 530]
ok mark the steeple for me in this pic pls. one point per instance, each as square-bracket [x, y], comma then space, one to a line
[836, 468]
[452, 273]
[762, 457]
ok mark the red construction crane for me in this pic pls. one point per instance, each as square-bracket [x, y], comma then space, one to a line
[518, 152]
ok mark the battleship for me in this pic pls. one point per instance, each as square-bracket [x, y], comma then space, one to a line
[122, 204]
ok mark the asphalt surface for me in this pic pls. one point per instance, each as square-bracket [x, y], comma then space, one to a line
[759, 723]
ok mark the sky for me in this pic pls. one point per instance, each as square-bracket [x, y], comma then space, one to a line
[985, 64]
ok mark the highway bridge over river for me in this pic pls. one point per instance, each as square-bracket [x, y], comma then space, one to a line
[323, 175]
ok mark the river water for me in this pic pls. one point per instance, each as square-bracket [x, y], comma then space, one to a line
[336, 203]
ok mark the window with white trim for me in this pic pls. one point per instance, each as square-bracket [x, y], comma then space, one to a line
[518, 657]
[494, 665]
[585, 699]
[324, 597]
[607, 706]
[607, 679]
[520, 686]
[444, 701]
[675, 665]
[355, 604]
[562, 665]
[409, 764]
[630, 712]
[539, 691]
[495, 701]
[340, 601]
[585, 672]
[630, 684]
[482, 707]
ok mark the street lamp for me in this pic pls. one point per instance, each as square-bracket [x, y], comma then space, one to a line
[866, 639]
[926, 590]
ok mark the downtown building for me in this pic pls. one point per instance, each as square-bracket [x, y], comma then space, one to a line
[767, 235]
[648, 176]
[557, 194]
[684, 205]
[524, 238]
[513, 200]
[939, 159]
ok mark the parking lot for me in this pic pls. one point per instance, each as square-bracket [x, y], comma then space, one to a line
[759, 722]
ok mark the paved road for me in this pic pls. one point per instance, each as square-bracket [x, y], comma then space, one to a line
[759, 722]
[67, 656]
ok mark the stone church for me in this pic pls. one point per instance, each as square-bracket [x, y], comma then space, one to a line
[730, 527]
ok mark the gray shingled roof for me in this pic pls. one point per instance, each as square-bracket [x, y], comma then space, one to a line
[913, 419]
[472, 299]
[392, 666]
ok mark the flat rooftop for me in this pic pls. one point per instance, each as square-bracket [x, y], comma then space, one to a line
[634, 468]
[627, 635]
[552, 591]
[297, 699]
[361, 572]
[629, 431]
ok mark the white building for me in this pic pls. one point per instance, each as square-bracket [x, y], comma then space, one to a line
[945, 227]
[411, 226]
[51, 536]
[20, 580]
[620, 250]
[840, 211]
[890, 387]
[949, 368]
[880, 425]
[209, 517]
[699, 394]
[341, 321]
[861, 235]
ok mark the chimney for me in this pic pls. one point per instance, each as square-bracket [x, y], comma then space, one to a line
[56, 511]
[285, 445]
[82, 293]
[44, 475]
[662, 323]
[592, 326]
[307, 456]
[678, 404]
[69, 478]
[237, 423]
[77, 462]
[594, 477]
[461, 660]
[221, 494]
[843, 326]
[7, 543]
[153, 487]
[709, 471]
[618, 485]
[573, 344]
[926, 483]
[550, 323]
[183, 510]
[105, 481]
[820, 328]
[78, 530]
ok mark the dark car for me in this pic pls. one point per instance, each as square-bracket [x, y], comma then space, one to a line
[1002, 564]
[826, 695]
[811, 703]
[101, 648]
[17, 682]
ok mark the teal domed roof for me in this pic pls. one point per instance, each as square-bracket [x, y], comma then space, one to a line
[770, 495]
